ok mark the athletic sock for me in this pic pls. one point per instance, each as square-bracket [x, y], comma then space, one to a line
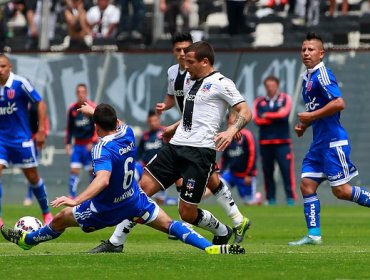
[121, 231]
[207, 221]
[225, 199]
[74, 179]
[311, 207]
[45, 233]
[188, 235]
[39, 191]
[361, 196]
[29, 193]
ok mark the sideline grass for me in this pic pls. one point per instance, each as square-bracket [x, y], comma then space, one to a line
[150, 255]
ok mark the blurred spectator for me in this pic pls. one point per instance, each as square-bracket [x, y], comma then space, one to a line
[78, 30]
[308, 12]
[3, 29]
[235, 16]
[171, 9]
[103, 19]
[131, 23]
[333, 6]
[33, 10]
[205, 8]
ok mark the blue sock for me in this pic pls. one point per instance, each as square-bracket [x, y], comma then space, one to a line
[74, 179]
[39, 191]
[188, 235]
[29, 192]
[361, 196]
[45, 233]
[311, 205]
[1, 197]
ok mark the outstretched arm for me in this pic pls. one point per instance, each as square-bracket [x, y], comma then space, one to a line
[100, 182]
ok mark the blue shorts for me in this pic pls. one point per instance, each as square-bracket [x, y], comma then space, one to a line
[81, 157]
[142, 210]
[332, 164]
[23, 156]
[246, 192]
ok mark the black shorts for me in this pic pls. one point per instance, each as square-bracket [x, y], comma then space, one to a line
[192, 164]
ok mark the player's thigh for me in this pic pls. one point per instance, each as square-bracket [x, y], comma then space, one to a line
[4, 157]
[23, 156]
[196, 167]
[77, 157]
[163, 167]
[313, 166]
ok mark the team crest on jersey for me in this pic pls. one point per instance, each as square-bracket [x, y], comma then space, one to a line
[309, 86]
[187, 81]
[10, 93]
[190, 184]
[206, 87]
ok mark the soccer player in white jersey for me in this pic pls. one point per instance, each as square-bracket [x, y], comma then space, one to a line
[328, 156]
[177, 78]
[16, 144]
[113, 195]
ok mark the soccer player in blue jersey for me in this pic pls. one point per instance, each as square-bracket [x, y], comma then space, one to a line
[113, 195]
[328, 156]
[16, 144]
[81, 132]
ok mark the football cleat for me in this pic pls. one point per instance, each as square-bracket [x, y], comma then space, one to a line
[307, 240]
[234, 249]
[106, 247]
[220, 240]
[16, 236]
[241, 229]
[47, 218]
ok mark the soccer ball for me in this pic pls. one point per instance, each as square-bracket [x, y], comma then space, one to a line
[28, 224]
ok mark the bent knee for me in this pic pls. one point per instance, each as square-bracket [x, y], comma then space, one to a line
[342, 192]
[188, 214]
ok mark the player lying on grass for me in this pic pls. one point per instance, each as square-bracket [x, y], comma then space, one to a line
[113, 195]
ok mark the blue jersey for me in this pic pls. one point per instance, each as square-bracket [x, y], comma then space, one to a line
[150, 143]
[116, 153]
[319, 87]
[14, 116]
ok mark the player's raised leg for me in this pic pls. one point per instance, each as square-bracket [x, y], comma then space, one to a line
[26, 241]
[39, 190]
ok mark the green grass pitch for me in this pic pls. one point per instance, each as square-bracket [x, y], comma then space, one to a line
[148, 254]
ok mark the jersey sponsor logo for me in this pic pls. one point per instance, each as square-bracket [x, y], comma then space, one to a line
[10, 93]
[127, 149]
[157, 144]
[309, 86]
[42, 238]
[83, 122]
[179, 92]
[312, 105]
[238, 151]
[8, 110]
[312, 215]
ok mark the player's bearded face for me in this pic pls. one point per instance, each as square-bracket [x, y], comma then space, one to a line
[312, 53]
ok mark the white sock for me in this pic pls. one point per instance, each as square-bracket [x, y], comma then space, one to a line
[210, 223]
[121, 231]
[225, 199]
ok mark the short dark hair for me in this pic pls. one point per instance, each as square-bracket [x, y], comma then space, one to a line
[314, 36]
[152, 113]
[271, 78]
[81, 85]
[202, 50]
[105, 116]
[181, 37]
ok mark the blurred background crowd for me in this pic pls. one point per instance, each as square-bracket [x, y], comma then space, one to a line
[60, 25]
